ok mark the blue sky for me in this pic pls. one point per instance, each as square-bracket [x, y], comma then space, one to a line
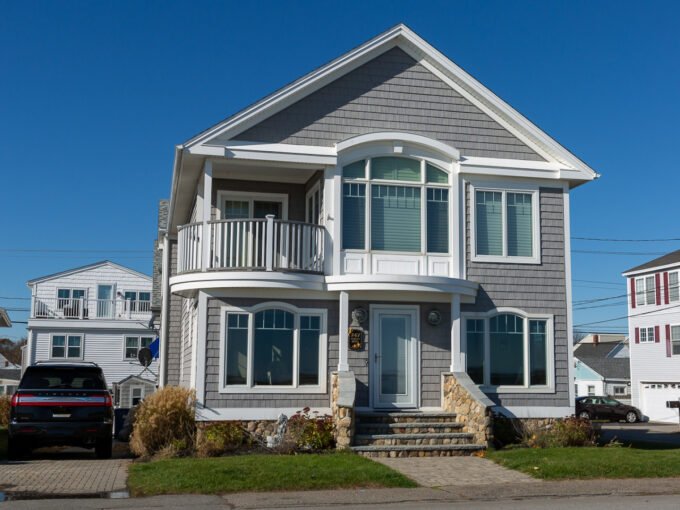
[94, 96]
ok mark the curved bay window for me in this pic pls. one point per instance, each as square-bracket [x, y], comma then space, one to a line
[267, 348]
[402, 202]
[508, 350]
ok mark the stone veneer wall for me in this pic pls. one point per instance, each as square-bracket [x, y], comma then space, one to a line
[472, 407]
[343, 391]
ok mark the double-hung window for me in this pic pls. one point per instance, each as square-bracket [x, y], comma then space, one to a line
[134, 343]
[646, 335]
[395, 204]
[274, 349]
[509, 351]
[137, 301]
[675, 340]
[673, 290]
[71, 302]
[66, 347]
[645, 291]
[505, 225]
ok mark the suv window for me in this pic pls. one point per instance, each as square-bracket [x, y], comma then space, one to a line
[66, 378]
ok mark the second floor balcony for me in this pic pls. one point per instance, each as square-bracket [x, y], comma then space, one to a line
[91, 309]
[256, 244]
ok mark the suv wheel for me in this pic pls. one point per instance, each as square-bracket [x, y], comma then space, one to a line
[631, 417]
[103, 448]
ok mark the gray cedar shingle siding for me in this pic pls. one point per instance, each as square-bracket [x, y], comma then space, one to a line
[174, 325]
[390, 93]
[156, 276]
[532, 288]
[435, 357]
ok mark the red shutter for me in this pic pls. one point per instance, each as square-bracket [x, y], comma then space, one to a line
[632, 292]
[665, 286]
[657, 334]
[637, 335]
[657, 279]
[668, 340]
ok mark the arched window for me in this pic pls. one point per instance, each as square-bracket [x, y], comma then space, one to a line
[269, 347]
[402, 202]
[509, 350]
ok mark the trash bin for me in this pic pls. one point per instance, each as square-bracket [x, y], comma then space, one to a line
[119, 419]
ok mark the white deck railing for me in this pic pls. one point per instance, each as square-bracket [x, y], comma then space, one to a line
[81, 308]
[252, 245]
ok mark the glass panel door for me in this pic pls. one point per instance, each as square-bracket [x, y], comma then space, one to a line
[105, 301]
[262, 208]
[394, 355]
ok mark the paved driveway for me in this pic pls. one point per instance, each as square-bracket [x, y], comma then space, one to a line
[64, 471]
[660, 434]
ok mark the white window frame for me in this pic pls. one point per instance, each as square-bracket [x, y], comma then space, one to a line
[671, 326]
[139, 343]
[137, 387]
[423, 185]
[670, 286]
[251, 198]
[504, 189]
[66, 336]
[549, 387]
[316, 194]
[647, 335]
[250, 386]
[641, 293]
[135, 303]
[621, 388]
[590, 392]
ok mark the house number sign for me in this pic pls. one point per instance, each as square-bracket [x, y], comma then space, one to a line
[356, 339]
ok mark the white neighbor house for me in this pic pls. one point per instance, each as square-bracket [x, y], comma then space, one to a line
[654, 329]
[98, 313]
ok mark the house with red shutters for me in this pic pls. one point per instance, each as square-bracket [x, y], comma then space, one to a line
[654, 328]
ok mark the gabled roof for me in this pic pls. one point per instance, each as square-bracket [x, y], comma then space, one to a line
[598, 351]
[136, 378]
[403, 37]
[86, 268]
[4, 319]
[665, 260]
[609, 368]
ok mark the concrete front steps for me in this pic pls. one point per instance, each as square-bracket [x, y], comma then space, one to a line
[411, 434]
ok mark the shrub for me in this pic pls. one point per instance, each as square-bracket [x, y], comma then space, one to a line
[506, 431]
[562, 433]
[5, 404]
[164, 421]
[219, 438]
[310, 431]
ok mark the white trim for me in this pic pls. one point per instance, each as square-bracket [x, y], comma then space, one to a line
[448, 151]
[137, 387]
[535, 411]
[199, 346]
[80, 269]
[549, 387]
[251, 413]
[343, 334]
[470, 164]
[410, 283]
[655, 269]
[295, 388]
[375, 310]
[165, 311]
[139, 337]
[567, 278]
[251, 197]
[504, 189]
[115, 324]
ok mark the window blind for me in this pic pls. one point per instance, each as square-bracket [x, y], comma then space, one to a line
[395, 218]
[489, 218]
[395, 169]
[437, 220]
[353, 216]
[356, 170]
[435, 175]
[520, 228]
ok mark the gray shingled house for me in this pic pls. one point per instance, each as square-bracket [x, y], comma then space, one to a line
[384, 240]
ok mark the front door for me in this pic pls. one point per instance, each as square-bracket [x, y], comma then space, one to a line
[105, 303]
[394, 354]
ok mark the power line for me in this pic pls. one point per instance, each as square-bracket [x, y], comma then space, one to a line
[599, 252]
[597, 300]
[626, 317]
[55, 250]
[12, 298]
[598, 281]
[613, 240]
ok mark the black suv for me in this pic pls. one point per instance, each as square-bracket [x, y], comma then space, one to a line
[61, 404]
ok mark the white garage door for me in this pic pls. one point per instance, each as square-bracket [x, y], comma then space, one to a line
[653, 398]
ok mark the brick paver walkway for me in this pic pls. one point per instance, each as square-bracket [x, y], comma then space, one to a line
[454, 471]
[67, 476]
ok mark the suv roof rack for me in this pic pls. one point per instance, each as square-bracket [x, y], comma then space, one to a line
[53, 362]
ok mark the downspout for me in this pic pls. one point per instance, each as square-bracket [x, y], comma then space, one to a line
[165, 311]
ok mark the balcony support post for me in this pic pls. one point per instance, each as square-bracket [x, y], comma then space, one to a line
[81, 308]
[269, 255]
[343, 355]
[206, 214]
[456, 359]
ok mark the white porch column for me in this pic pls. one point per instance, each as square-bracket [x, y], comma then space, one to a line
[343, 364]
[206, 213]
[456, 365]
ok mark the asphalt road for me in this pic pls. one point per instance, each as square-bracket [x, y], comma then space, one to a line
[215, 502]
[660, 434]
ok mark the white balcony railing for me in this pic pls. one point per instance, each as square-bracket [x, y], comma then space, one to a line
[252, 245]
[81, 308]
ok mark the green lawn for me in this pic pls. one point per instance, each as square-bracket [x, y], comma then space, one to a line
[261, 473]
[562, 463]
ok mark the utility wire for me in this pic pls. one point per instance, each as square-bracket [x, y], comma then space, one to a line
[626, 317]
[599, 252]
[613, 240]
[55, 250]
[12, 298]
